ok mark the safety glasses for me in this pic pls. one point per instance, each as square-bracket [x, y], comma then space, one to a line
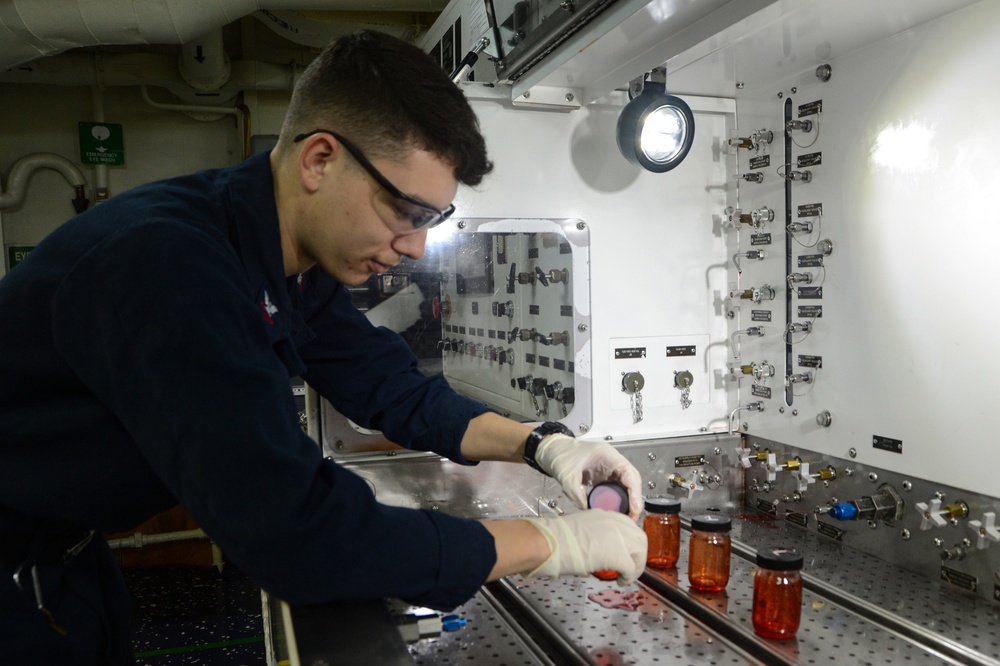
[417, 213]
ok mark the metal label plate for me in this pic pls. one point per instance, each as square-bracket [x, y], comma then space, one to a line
[630, 352]
[760, 239]
[797, 518]
[810, 260]
[809, 361]
[760, 315]
[960, 579]
[810, 210]
[812, 159]
[760, 161]
[811, 311]
[810, 109]
[887, 444]
[810, 292]
[689, 461]
[761, 391]
[682, 350]
[766, 507]
[829, 530]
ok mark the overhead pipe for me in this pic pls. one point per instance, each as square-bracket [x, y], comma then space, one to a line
[101, 190]
[134, 69]
[203, 62]
[187, 108]
[32, 30]
[20, 173]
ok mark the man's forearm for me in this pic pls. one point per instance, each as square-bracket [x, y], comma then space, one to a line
[520, 547]
[493, 437]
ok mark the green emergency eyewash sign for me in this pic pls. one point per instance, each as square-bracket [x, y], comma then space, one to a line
[102, 143]
[17, 253]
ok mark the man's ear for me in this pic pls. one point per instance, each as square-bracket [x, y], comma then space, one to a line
[318, 153]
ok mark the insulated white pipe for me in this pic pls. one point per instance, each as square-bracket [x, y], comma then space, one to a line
[204, 64]
[20, 173]
[133, 69]
[30, 29]
[187, 108]
[101, 192]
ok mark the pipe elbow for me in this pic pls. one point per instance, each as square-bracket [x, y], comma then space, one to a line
[20, 174]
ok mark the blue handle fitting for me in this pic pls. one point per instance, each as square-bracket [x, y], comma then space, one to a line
[844, 511]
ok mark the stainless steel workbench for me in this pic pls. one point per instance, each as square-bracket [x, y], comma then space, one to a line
[857, 608]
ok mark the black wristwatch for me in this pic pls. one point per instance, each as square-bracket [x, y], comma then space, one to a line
[535, 438]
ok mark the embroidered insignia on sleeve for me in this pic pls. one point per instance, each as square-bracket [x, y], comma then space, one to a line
[267, 308]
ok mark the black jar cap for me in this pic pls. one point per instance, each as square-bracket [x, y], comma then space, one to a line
[711, 523]
[779, 559]
[662, 505]
[610, 496]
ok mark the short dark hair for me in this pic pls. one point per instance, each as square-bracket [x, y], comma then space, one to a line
[387, 95]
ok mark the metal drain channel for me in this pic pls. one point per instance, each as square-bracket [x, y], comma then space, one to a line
[571, 653]
[487, 593]
[504, 591]
[938, 645]
[737, 637]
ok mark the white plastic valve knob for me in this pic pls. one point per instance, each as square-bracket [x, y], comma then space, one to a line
[743, 458]
[691, 483]
[987, 530]
[803, 477]
[771, 466]
[932, 514]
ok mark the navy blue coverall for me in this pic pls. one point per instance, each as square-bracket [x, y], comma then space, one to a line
[147, 346]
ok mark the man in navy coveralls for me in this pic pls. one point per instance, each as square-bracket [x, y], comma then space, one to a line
[148, 345]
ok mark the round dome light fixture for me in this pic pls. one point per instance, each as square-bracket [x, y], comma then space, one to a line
[655, 130]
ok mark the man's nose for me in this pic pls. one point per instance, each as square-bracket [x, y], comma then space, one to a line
[411, 245]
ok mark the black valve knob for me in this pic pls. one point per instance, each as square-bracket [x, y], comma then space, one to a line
[541, 276]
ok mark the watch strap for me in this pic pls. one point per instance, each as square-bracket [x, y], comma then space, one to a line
[535, 438]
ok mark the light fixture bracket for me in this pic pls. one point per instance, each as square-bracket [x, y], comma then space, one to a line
[649, 99]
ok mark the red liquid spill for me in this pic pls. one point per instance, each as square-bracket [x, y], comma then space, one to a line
[629, 601]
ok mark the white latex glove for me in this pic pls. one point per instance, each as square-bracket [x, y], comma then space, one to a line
[589, 541]
[575, 463]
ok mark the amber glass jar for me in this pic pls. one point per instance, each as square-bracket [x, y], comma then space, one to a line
[662, 526]
[777, 593]
[708, 554]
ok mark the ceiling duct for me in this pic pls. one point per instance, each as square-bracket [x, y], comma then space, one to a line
[30, 29]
